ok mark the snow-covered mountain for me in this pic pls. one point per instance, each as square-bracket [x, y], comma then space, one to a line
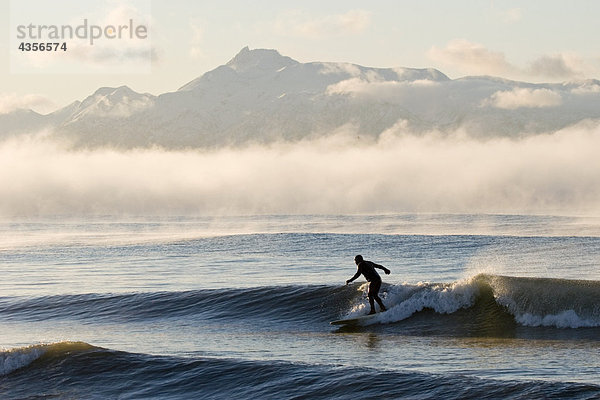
[261, 96]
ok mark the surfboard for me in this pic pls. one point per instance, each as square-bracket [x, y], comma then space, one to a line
[356, 321]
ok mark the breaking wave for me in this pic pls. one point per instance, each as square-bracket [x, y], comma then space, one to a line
[533, 302]
[498, 302]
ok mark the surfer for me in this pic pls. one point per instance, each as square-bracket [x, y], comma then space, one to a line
[367, 269]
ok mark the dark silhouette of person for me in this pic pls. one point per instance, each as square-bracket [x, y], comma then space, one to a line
[367, 269]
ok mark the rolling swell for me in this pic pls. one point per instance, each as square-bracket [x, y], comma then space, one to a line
[480, 305]
[277, 303]
[79, 370]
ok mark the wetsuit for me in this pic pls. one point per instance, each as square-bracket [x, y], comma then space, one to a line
[367, 269]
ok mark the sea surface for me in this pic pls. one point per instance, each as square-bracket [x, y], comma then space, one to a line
[480, 306]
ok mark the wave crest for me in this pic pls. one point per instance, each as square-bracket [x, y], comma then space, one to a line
[558, 303]
[20, 357]
[497, 301]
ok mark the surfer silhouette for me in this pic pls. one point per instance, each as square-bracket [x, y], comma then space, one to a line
[367, 269]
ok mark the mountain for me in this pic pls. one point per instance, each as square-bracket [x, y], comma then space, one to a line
[21, 121]
[260, 96]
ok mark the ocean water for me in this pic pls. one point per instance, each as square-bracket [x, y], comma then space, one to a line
[480, 306]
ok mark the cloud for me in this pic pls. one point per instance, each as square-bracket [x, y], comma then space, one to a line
[102, 56]
[10, 102]
[472, 58]
[524, 98]
[475, 59]
[512, 15]
[587, 88]
[127, 51]
[378, 89]
[110, 37]
[196, 40]
[300, 24]
[557, 66]
[554, 173]
[339, 68]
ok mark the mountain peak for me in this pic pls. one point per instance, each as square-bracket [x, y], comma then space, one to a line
[264, 59]
[112, 91]
[119, 101]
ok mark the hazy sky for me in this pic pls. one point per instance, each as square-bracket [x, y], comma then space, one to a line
[545, 40]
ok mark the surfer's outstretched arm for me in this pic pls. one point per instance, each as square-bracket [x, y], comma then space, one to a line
[354, 277]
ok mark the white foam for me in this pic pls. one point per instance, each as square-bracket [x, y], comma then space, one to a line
[13, 359]
[565, 319]
[547, 311]
[406, 300]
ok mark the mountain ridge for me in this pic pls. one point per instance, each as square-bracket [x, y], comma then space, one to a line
[260, 96]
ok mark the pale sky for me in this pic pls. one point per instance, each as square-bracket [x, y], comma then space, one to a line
[537, 41]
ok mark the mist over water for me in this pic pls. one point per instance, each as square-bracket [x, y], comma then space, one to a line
[555, 173]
